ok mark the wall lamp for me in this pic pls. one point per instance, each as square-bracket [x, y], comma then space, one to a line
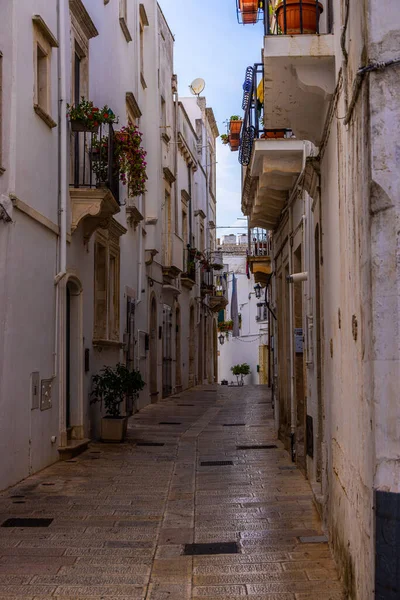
[221, 338]
[257, 291]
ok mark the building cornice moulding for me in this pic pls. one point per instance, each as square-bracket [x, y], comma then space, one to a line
[133, 105]
[45, 30]
[82, 16]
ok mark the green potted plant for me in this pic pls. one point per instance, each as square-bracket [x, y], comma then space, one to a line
[113, 386]
[241, 371]
[131, 159]
[225, 138]
[85, 116]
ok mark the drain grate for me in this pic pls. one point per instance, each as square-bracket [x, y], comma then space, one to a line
[48, 483]
[266, 447]
[169, 423]
[28, 522]
[208, 549]
[17, 496]
[288, 468]
[19, 502]
[150, 444]
[185, 404]
[234, 424]
[216, 463]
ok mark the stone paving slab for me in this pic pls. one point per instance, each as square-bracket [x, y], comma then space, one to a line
[123, 513]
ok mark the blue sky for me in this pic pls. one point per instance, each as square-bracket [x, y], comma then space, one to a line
[209, 43]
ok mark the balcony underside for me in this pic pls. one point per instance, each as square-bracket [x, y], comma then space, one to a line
[261, 268]
[217, 303]
[274, 168]
[299, 81]
[94, 207]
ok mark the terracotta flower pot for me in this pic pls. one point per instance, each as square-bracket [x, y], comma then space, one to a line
[293, 13]
[249, 10]
[274, 135]
[235, 127]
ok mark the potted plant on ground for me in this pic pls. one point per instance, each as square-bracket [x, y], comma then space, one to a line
[114, 386]
[240, 371]
[300, 17]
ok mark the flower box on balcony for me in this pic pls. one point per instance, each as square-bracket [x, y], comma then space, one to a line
[80, 125]
[235, 125]
[296, 18]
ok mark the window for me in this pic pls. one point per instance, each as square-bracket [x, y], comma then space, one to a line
[107, 284]
[143, 22]
[123, 19]
[44, 41]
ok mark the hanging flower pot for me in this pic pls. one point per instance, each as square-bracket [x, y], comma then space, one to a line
[249, 10]
[235, 126]
[300, 18]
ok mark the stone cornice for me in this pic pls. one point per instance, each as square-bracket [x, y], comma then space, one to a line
[133, 105]
[82, 16]
[45, 30]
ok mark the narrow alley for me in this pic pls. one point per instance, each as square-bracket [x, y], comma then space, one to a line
[203, 467]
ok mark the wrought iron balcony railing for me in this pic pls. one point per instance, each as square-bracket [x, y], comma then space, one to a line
[253, 121]
[94, 164]
[260, 242]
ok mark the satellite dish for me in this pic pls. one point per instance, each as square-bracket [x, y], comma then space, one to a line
[197, 86]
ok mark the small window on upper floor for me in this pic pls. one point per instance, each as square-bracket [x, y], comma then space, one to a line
[143, 22]
[43, 41]
[123, 19]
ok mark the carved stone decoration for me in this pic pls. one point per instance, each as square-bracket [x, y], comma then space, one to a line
[150, 254]
[95, 207]
[217, 303]
[187, 282]
[134, 216]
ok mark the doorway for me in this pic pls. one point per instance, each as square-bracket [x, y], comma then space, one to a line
[192, 347]
[153, 351]
[73, 408]
[167, 351]
[178, 367]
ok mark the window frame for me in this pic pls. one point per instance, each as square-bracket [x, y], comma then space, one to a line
[43, 41]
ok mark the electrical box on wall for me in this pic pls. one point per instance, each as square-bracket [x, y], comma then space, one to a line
[298, 341]
[45, 400]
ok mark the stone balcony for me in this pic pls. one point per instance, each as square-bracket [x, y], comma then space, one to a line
[274, 168]
[299, 81]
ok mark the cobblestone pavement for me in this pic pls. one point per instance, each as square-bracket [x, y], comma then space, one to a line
[122, 513]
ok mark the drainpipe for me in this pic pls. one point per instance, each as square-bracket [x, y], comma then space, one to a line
[63, 181]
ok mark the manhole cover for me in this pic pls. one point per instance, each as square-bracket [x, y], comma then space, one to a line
[267, 447]
[169, 423]
[216, 463]
[234, 424]
[151, 444]
[207, 549]
[15, 522]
